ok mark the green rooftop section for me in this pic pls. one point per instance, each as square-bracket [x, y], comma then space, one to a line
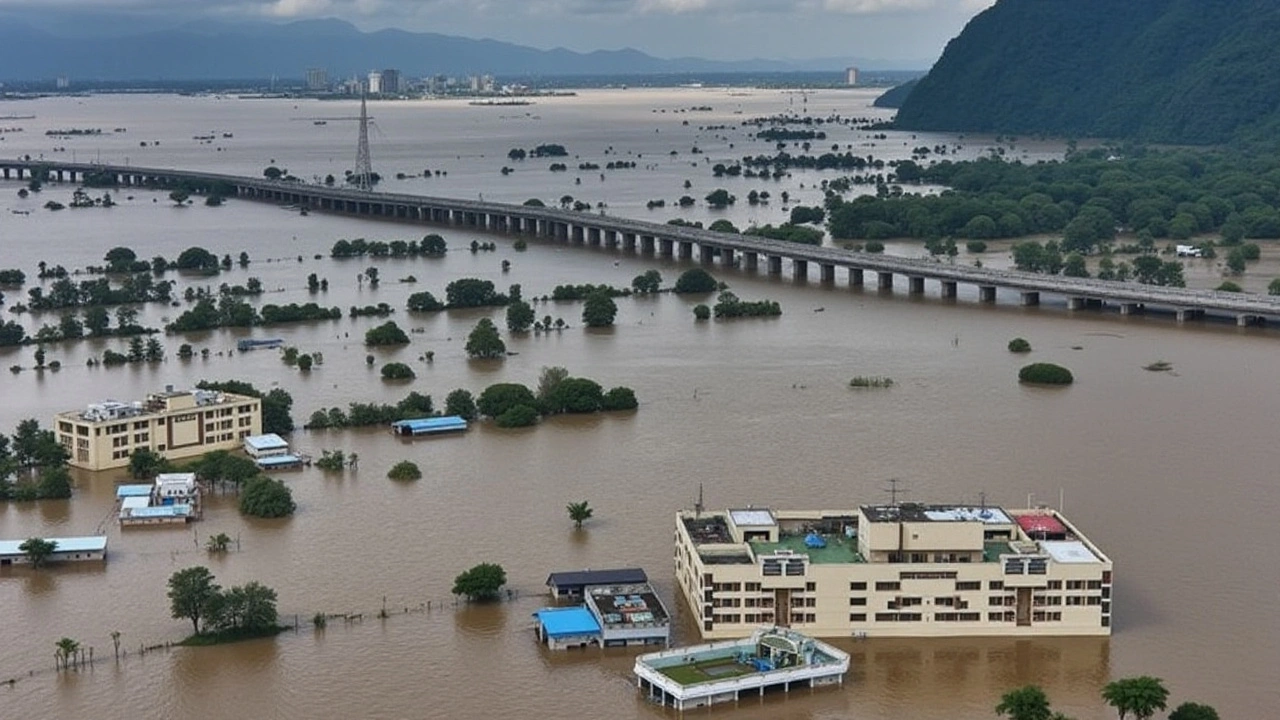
[839, 549]
[992, 550]
[720, 668]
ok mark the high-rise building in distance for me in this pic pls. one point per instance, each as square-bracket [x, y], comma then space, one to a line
[317, 79]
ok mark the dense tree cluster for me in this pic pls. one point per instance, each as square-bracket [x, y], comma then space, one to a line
[413, 405]
[1085, 199]
[586, 290]
[65, 293]
[242, 611]
[729, 306]
[431, 245]
[33, 464]
[473, 292]
[1016, 69]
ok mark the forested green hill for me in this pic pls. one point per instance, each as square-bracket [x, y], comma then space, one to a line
[1176, 71]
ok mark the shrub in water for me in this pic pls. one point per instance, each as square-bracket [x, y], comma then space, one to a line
[1045, 374]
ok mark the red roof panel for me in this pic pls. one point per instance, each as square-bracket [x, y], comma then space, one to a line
[1036, 524]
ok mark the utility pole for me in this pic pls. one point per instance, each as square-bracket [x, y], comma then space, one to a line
[364, 165]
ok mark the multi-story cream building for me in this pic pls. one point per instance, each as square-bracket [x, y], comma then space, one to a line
[171, 424]
[903, 570]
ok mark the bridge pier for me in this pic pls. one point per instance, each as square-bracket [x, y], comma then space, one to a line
[579, 234]
[827, 272]
[727, 257]
[800, 269]
[686, 249]
[987, 293]
[855, 277]
[1130, 308]
[1030, 298]
[948, 288]
[775, 264]
[706, 254]
[562, 232]
[1185, 314]
[915, 285]
[750, 260]
[611, 238]
[666, 247]
[1247, 320]
[629, 241]
[646, 244]
[1075, 303]
[884, 280]
[593, 236]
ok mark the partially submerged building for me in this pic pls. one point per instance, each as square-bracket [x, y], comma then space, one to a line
[620, 608]
[772, 658]
[173, 499]
[429, 425]
[271, 452]
[65, 549]
[892, 570]
[173, 424]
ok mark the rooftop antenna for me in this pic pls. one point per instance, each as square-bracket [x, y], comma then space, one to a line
[364, 165]
[894, 491]
[697, 507]
[982, 500]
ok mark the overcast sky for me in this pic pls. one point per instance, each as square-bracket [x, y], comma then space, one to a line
[907, 30]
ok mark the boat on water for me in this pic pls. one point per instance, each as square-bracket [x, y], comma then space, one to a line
[319, 122]
[248, 344]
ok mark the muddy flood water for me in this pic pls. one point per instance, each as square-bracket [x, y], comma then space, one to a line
[1171, 473]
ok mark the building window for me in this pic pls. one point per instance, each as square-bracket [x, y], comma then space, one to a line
[857, 617]
[1055, 584]
[945, 601]
[1075, 584]
[888, 586]
[968, 585]
[752, 587]
[857, 586]
[858, 602]
[995, 600]
[1094, 584]
[810, 587]
[995, 585]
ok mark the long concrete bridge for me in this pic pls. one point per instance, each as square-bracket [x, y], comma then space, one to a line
[748, 252]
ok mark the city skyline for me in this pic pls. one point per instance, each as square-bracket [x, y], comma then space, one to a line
[912, 32]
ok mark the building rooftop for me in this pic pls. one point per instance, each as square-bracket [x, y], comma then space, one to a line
[268, 441]
[1040, 524]
[916, 512]
[711, 529]
[836, 548]
[158, 402]
[1068, 551]
[753, 518]
[94, 543]
[620, 576]
[561, 622]
[624, 606]
[128, 491]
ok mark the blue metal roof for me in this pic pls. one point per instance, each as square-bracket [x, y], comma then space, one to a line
[96, 543]
[124, 491]
[429, 425]
[561, 622]
[160, 511]
[277, 460]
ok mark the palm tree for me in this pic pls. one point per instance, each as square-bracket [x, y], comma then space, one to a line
[38, 550]
[353, 461]
[1140, 696]
[115, 641]
[579, 512]
[66, 648]
[1025, 703]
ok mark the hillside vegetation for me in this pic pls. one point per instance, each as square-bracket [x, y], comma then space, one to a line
[1174, 71]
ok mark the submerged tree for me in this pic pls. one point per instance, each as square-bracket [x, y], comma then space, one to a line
[579, 512]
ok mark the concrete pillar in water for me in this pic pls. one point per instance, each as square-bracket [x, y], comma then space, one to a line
[775, 264]
[800, 269]
[987, 293]
[948, 288]
[884, 280]
[750, 260]
[1130, 308]
[1075, 303]
[1030, 298]
[646, 244]
[726, 256]
[666, 247]
[686, 249]
[706, 254]
[915, 285]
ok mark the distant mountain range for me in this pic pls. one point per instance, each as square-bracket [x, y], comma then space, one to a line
[1175, 71]
[209, 50]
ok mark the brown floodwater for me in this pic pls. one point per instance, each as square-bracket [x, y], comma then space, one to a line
[1169, 472]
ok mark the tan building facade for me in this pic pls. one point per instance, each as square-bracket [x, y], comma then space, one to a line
[907, 570]
[172, 424]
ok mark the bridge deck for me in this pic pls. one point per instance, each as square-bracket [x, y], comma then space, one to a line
[1239, 304]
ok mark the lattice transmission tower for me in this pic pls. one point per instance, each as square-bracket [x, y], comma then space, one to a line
[364, 165]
